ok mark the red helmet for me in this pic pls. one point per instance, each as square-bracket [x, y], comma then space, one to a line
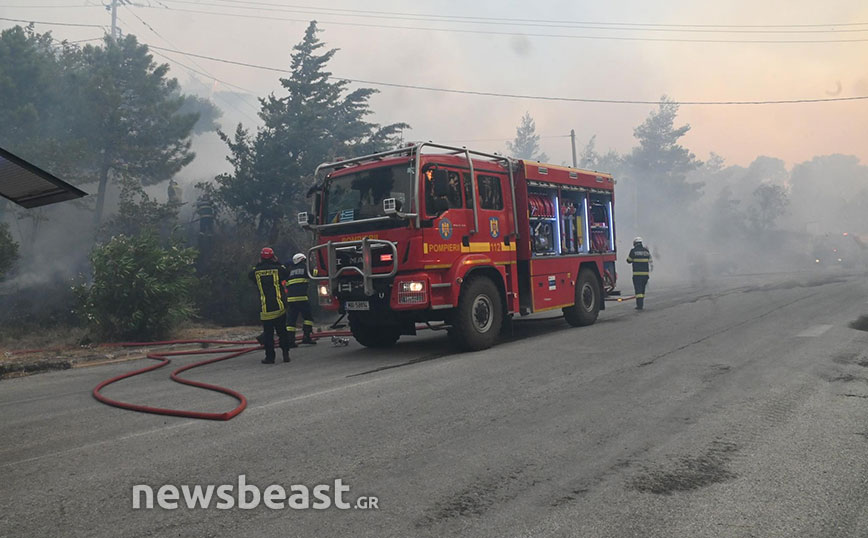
[267, 253]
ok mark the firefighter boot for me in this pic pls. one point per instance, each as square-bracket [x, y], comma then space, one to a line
[307, 335]
[286, 354]
[640, 303]
[292, 342]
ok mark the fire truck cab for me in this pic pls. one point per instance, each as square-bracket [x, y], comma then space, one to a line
[431, 232]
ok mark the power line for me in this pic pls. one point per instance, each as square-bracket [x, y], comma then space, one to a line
[47, 7]
[86, 40]
[190, 69]
[226, 101]
[204, 74]
[547, 24]
[524, 34]
[523, 96]
[527, 20]
[54, 23]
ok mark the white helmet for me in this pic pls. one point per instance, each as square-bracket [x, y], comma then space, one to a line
[298, 258]
[637, 241]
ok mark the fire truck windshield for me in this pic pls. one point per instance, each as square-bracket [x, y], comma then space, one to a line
[359, 196]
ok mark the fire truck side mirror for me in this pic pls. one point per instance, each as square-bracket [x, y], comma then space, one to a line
[441, 183]
[302, 219]
[390, 206]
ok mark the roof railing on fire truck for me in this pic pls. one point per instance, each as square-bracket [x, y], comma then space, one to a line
[415, 151]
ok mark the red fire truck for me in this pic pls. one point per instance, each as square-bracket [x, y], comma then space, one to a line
[431, 232]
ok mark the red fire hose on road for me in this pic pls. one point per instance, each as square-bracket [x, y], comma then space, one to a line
[164, 360]
[163, 357]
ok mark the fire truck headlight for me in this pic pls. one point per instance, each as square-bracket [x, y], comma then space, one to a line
[412, 292]
[325, 294]
[412, 286]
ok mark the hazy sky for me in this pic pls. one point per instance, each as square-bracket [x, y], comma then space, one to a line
[481, 58]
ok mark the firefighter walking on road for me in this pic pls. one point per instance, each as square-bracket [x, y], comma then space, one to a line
[296, 297]
[640, 258]
[269, 276]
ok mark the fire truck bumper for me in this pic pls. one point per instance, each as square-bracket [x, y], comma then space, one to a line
[404, 292]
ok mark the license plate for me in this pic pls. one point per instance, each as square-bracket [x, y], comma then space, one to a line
[358, 305]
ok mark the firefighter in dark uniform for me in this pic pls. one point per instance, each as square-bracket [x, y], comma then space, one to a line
[296, 297]
[640, 258]
[269, 276]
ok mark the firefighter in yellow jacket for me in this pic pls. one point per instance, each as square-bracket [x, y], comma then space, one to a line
[640, 258]
[269, 275]
[297, 301]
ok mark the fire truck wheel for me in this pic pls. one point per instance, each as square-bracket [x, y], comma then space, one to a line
[372, 335]
[588, 297]
[479, 316]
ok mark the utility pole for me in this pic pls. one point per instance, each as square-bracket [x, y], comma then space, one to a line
[573, 140]
[114, 11]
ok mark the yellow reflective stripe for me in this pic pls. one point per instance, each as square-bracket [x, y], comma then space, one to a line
[290, 328]
[640, 295]
[296, 299]
[641, 273]
[264, 313]
[477, 247]
[641, 259]
[629, 259]
[262, 308]
[297, 281]
[306, 322]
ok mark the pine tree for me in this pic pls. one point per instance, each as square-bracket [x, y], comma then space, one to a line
[313, 122]
[659, 163]
[131, 119]
[526, 142]
[92, 114]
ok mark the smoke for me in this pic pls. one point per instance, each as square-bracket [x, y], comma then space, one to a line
[733, 229]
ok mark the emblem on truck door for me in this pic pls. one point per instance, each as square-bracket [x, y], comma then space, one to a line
[494, 227]
[445, 228]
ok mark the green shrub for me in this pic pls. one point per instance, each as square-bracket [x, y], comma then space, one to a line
[140, 290]
[8, 250]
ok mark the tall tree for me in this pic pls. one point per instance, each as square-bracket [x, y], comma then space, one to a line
[316, 120]
[93, 113]
[660, 165]
[36, 108]
[133, 124]
[526, 142]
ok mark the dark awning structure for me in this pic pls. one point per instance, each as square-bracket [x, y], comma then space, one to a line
[30, 186]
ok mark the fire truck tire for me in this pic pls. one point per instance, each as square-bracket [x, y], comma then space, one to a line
[479, 316]
[373, 336]
[588, 300]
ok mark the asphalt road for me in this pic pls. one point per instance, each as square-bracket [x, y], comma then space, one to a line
[736, 409]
